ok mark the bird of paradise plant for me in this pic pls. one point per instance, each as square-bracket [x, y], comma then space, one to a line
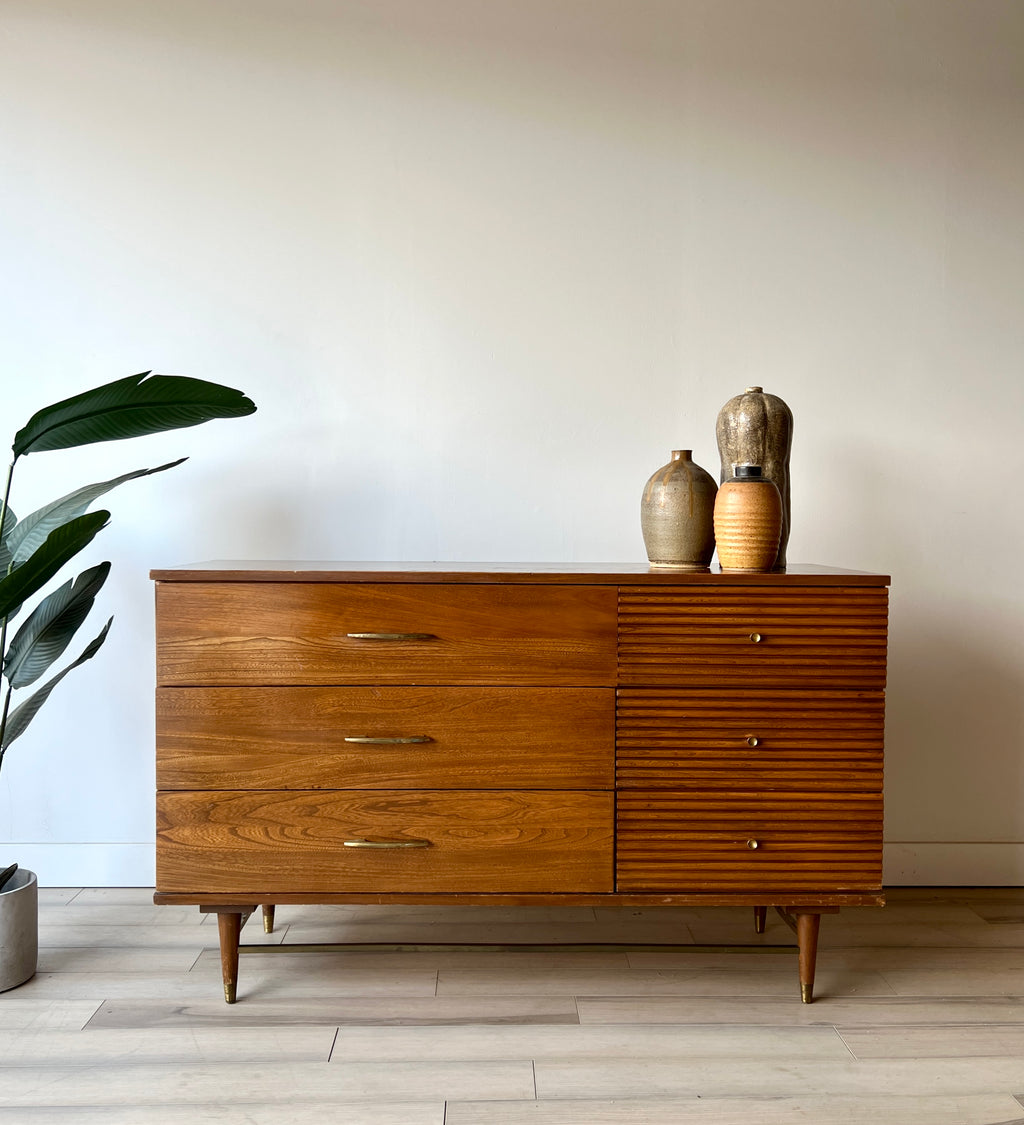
[34, 549]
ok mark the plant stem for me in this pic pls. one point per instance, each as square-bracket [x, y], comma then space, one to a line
[3, 508]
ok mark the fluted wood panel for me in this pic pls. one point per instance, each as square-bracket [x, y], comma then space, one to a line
[474, 738]
[786, 636]
[668, 738]
[260, 843]
[235, 633]
[701, 840]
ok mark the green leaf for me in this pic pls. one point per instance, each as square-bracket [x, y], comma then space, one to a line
[51, 626]
[140, 404]
[25, 712]
[34, 528]
[61, 544]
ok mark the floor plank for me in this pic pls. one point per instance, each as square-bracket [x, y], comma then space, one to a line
[590, 1042]
[983, 1109]
[795, 1077]
[45, 1047]
[239, 1082]
[251, 1113]
[354, 1011]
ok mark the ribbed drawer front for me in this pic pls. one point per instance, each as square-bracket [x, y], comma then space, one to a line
[302, 633]
[670, 738]
[748, 841]
[487, 842]
[786, 636]
[385, 738]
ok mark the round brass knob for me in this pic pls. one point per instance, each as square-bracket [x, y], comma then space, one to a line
[753, 740]
[756, 638]
[753, 845]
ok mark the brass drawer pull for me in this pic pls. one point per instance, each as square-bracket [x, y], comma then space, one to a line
[381, 844]
[752, 740]
[375, 740]
[756, 638]
[392, 636]
[753, 845]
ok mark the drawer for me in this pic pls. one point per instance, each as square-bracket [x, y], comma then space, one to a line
[704, 841]
[791, 636]
[478, 841]
[385, 738]
[235, 633]
[672, 738]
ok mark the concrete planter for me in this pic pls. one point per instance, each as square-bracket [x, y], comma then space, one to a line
[19, 929]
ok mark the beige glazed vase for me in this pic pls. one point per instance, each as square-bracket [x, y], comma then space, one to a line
[748, 521]
[677, 514]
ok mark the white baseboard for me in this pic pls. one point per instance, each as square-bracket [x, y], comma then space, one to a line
[906, 864]
[953, 865]
[85, 865]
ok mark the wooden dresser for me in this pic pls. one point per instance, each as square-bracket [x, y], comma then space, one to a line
[515, 734]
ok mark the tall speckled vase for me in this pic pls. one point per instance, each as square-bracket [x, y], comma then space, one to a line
[755, 428]
[748, 521]
[677, 514]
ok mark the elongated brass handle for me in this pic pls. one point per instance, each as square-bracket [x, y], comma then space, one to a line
[756, 638]
[392, 636]
[753, 845]
[375, 740]
[381, 844]
[752, 740]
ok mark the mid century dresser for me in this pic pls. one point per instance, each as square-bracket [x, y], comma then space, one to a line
[515, 734]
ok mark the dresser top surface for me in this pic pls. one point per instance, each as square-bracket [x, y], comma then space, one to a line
[547, 573]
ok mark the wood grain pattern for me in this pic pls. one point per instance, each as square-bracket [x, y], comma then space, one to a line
[296, 633]
[525, 573]
[807, 637]
[479, 841]
[293, 738]
[668, 738]
[695, 840]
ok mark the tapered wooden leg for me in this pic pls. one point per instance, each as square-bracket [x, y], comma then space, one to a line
[760, 918]
[807, 926]
[230, 927]
[230, 920]
[268, 918]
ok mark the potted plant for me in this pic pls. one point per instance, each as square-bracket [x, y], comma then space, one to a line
[33, 550]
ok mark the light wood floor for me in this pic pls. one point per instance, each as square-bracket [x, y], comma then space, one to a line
[684, 1016]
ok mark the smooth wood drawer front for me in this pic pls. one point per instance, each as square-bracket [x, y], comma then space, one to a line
[671, 738]
[758, 636]
[465, 738]
[300, 633]
[749, 841]
[487, 842]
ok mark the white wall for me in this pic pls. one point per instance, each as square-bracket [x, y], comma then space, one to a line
[482, 265]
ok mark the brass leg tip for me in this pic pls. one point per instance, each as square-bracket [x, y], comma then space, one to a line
[805, 993]
[229, 994]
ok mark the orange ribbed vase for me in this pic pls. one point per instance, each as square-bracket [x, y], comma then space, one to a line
[748, 521]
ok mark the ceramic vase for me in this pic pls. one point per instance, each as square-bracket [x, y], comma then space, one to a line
[755, 428]
[677, 514]
[748, 521]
